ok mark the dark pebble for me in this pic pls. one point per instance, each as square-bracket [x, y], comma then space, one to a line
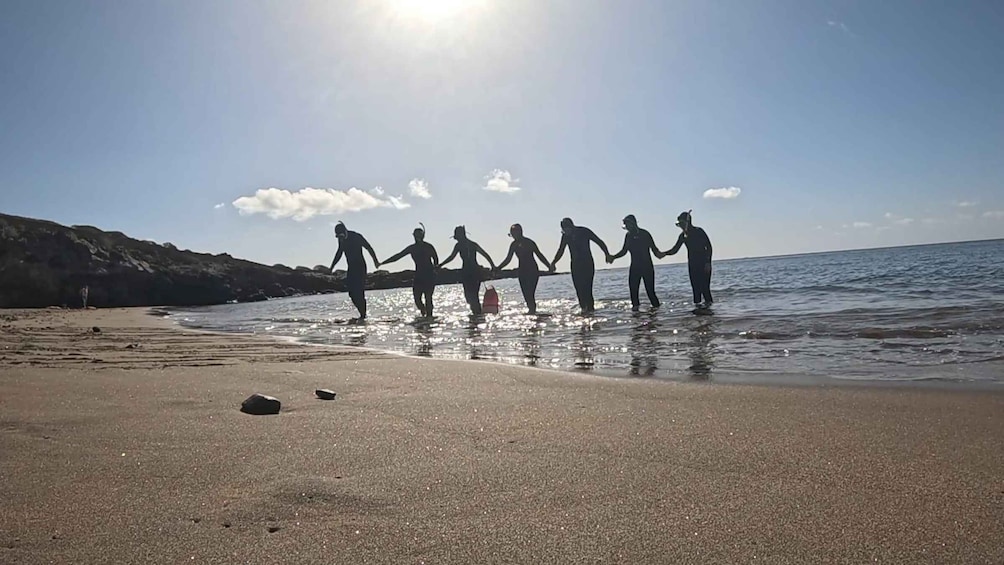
[260, 405]
[325, 394]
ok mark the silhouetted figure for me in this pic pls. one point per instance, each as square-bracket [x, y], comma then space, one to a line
[352, 244]
[576, 239]
[528, 272]
[425, 258]
[470, 272]
[641, 246]
[698, 258]
[84, 293]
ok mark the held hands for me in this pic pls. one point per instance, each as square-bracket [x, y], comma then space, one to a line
[610, 259]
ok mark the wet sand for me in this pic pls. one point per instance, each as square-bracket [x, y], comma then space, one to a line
[127, 446]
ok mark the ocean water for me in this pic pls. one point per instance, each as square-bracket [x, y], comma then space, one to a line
[910, 314]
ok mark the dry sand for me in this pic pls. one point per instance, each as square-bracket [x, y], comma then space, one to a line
[119, 454]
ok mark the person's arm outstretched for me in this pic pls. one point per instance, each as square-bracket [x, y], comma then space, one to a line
[367, 247]
[679, 244]
[456, 250]
[480, 250]
[338, 257]
[561, 251]
[435, 256]
[622, 252]
[652, 246]
[399, 256]
[595, 239]
[536, 251]
[508, 258]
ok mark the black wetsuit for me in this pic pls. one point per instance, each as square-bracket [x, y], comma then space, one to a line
[424, 283]
[470, 274]
[698, 260]
[529, 271]
[583, 269]
[355, 278]
[641, 246]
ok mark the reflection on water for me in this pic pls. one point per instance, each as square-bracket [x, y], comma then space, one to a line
[899, 314]
[583, 347]
[423, 339]
[702, 349]
[643, 345]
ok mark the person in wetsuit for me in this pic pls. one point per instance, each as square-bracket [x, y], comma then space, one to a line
[641, 246]
[698, 258]
[351, 244]
[576, 239]
[524, 249]
[425, 258]
[470, 271]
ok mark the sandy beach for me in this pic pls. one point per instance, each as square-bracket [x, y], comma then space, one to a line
[126, 446]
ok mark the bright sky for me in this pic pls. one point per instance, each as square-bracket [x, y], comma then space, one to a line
[251, 127]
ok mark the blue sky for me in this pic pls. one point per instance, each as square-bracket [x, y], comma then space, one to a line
[844, 124]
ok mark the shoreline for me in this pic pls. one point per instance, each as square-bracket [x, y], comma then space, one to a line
[717, 376]
[119, 454]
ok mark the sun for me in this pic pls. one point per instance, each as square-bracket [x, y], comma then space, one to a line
[434, 11]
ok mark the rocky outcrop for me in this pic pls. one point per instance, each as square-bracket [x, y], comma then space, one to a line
[46, 264]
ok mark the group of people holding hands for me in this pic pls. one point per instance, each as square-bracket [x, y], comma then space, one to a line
[576, 239]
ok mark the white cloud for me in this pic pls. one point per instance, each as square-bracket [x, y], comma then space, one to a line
[898, 220]
[398, 203]
[309, 202]
[861, 225]
[995, 214]
[500, 180]
[419, 188]
[218, 206]
[838, 25]
[728, 193]
[965, 204]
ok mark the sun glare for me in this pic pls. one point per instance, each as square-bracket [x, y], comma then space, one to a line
[434, 11]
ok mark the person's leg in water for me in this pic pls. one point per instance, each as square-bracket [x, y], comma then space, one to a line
[416, 291]
[579, 282]
[528, 284]
[357, 292]
[706, 287]
[472, 286]
[696, 281]
[428, 291]
[634, 282]
[649, 277]
[590, 302]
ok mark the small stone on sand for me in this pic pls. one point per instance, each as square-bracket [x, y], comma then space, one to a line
[260, 405]
[325, 394]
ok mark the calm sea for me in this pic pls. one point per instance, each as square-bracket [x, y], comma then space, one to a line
[913, 314]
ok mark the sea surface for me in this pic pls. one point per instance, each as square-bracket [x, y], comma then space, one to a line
[932, 313]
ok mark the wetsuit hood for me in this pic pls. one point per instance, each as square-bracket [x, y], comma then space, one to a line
[684, 220]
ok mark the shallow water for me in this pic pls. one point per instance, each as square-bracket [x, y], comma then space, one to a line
[925, 313]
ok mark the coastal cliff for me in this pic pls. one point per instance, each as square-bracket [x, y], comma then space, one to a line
[43, 264]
